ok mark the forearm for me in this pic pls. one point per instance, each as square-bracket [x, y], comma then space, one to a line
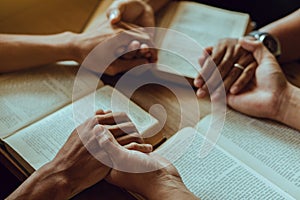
[287, 30]
[24, 51]
[157, 4]
[43, 184]
[289, 112]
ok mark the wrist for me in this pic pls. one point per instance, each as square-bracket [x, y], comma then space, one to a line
[57, 179]
[45, 183]
[68, 48]
[288, 112]
[167, 186]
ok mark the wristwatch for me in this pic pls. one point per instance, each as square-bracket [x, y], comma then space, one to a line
[270, 41]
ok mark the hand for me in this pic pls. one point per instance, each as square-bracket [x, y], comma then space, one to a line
[80, 163]
[223, 56]
[135, 12]
[263, 96]
[149, 174]
[85, 42]
[121, 127]
[79, 159]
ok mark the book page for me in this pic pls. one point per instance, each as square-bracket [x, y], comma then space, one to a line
[269, 148]
[203, 24]
[27, 96]
[218, 175]
[39, 142]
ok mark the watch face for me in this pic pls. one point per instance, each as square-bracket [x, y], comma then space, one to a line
[270, 43]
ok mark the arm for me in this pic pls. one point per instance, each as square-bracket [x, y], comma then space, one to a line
[168, 187]
[289, 112]
[24, 51]
[287, 30]
[150, 175]
[65, 176]
[269, 95]
[45, 183]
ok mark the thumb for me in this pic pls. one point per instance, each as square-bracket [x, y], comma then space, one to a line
[260, 52]
[114, 15]
[145, 148]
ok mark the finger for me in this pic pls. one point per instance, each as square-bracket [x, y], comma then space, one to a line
[114, 13]
[122, 129]
[260, 52]
[132, 49]
[145, 148]
[144, 49]
[112, 118]
[120, 51]
[205, 53]
[244, 79]
[232, 76]
[122, 65]
[129, 55]
[106, 141]
[220, 73]
[205, 72]
[134, 45]
[147, 18]
[198, 82]
[201, 93]
[153, 55]
[100, 112]
[211, 84]
[134, 137]
[210, 65]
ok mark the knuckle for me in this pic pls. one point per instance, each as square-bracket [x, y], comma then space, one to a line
[96, 119]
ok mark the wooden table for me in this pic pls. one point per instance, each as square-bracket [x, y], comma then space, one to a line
[146, 96]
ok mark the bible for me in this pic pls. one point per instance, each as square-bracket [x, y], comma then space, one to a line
[196, 24]
[252, 158]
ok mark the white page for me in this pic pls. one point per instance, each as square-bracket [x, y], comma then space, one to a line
[205, 25]
[219, 175]
[27, 96]
[271, 149]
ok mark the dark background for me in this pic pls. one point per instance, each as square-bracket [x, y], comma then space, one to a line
[261, 11]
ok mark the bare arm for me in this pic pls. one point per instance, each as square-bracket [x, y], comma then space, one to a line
[65, 176]
[46, 183]
[23, 51]
[287, 30]
[289, 112]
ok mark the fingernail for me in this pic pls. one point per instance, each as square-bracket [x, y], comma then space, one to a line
[148, 147]
[113, 14]
[234, 90]
[198, 82]
[201, 93]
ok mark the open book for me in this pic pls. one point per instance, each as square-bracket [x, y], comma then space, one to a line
[252, 159]
[37, 114]
[196, 24]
